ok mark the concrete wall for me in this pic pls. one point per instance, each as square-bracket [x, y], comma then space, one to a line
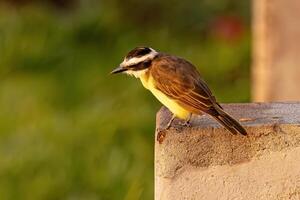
[276, 50]
[207, 162]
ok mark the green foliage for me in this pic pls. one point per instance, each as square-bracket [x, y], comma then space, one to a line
[69, 130]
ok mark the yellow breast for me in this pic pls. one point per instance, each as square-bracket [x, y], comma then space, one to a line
[172, 105]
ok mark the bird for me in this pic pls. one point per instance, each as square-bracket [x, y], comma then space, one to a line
[178, 85]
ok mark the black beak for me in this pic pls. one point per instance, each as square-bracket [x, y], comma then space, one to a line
[118, 70]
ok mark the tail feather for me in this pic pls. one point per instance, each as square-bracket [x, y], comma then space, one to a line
[228, 122]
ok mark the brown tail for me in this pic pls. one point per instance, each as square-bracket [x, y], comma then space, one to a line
[228, 122]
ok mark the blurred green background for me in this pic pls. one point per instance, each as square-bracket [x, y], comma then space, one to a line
[69, 130]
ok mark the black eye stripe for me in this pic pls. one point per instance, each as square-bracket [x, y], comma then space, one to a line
[141, 65]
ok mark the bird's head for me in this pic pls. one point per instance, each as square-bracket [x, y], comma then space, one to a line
[137, 61]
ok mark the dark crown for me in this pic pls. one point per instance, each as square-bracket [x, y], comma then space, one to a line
[138, 52]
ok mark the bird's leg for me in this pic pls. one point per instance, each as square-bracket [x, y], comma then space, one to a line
[161, 134]
[170, 122]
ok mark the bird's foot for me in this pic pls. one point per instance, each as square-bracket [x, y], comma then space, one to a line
[181, 125]
[161, 133]
[186, 124]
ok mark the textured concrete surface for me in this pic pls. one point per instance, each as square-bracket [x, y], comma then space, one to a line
[205, 161]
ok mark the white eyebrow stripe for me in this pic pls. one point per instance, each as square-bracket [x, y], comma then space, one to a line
[133, 61]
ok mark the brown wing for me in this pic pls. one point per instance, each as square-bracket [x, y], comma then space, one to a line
[180, 80]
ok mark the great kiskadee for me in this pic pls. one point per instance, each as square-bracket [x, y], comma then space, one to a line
[177, 84]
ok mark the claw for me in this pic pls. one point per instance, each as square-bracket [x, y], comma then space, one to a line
[187, 122]
[161, 134]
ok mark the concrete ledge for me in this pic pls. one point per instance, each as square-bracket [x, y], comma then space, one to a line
[205, 161]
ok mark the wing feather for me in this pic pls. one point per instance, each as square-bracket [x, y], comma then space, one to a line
[180, 80]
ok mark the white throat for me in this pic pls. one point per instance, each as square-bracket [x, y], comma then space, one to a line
[137, 74]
